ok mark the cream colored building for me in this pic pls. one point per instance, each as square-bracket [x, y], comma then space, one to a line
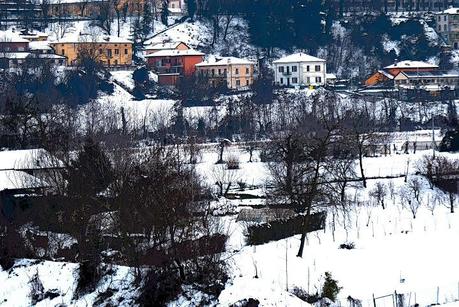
[237, 73]
[108, 50]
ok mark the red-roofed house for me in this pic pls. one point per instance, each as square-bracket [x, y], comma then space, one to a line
[171, 65]
[388, 73]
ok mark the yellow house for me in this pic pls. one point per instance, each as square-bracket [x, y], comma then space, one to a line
[111, 51]
[237, 73]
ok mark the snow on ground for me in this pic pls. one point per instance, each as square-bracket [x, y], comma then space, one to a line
[149, 113]
[59, 277]
[124, 77]
[394, 252]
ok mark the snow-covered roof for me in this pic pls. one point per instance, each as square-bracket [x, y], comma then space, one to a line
[73, 1]
[225, 61]
[298, 57]
[451, 11]
[85, 38]
[429, 74]
[411, 64]
[30, 55]
[15, 180]
[386, 74]
[39, 45]
[11, 37]
[330, 76]
[172, 53]
[26, 159]
[165, 46]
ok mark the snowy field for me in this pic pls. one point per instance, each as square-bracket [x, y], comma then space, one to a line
[393, 251]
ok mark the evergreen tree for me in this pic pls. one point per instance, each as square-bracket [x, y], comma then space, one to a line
[191, 8]
[165, 12]
[147, 22]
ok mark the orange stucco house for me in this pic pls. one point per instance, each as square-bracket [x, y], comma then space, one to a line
[171, 65]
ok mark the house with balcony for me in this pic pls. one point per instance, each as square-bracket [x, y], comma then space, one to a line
[447, 24]
[234, 73]
[172, 65]
[386, 75]
[300, 69]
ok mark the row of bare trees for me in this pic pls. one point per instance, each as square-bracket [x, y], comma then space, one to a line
[147, 205]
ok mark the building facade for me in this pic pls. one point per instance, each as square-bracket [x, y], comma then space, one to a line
[430, 81]
[235, 73]
[388, 73]
[447, 23]
[300, 69]
[172, 65]
[110, 51]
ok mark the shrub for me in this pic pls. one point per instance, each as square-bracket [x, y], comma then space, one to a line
[160, 287]
[242, 185]
[232, 162]
[36, 289]
[450, 141]
[251, 302]
[305, 296]
[347, 245]
[89, 275]
[330, 289]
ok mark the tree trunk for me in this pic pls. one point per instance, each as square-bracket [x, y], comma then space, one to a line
[305, 232]
[362, 172]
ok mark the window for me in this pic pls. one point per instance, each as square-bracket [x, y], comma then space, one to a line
[318, 79]
[125, 51]
[308, 80]
[281, 80]
[237, 71]
[247, 83]
[247, 70]
[238, 82]
[444, 18]
[109, 52]
[62, 51]
[308, 68]
[445, 28]
[117, 51]
[294, 69]
[294, 80]
[317, 67]
[213, 72]
[116, 62]
[219, 71]
[281, 68]
[224, 71]
[100, 51]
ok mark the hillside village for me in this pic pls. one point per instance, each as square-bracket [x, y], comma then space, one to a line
[229, 153]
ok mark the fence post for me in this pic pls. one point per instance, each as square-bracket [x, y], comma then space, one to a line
[374, 300]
